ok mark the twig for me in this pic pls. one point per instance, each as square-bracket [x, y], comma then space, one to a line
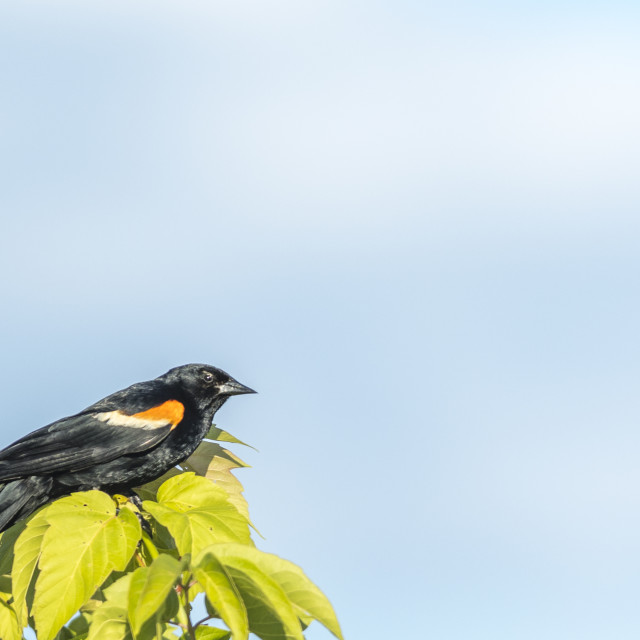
[190, 628]
[197, 624]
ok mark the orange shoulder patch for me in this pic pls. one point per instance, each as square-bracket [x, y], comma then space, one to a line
[171, 411]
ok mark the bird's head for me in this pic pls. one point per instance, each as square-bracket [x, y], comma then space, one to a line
[209, 386]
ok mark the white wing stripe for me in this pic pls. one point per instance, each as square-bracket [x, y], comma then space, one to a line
[120, 419]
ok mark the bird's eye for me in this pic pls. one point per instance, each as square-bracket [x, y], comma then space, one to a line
[208, 376]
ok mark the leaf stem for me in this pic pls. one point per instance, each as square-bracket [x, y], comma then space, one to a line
[140, 559]
[184, 614]
[151, 548]
[197, 624]
[190, 628]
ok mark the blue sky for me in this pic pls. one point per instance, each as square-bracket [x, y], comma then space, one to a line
[412, 227]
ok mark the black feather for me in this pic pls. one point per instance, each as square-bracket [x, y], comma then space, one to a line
[84, 451]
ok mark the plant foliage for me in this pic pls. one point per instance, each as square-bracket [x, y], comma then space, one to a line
[84, 568]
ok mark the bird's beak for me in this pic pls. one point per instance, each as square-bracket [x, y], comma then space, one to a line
[233, 388]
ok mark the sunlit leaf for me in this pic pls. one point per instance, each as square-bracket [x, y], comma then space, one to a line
[215, 463]
[65, 634]
[86, 541]
[224, 436]
[270, 613]
[76, 629]
[80, 624]
[221, 593]
[5, 589]
[256, 575]
[71, 555]
[212, 633]
[149, 491]
[109, 621]
[27, 550]
[307, 598]
[197, 513]
[204, 454]
[150, 588]
[9, 627]
[212, 461]
[8, 540]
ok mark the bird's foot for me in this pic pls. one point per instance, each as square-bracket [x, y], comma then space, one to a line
[144, 523]
[134, 499]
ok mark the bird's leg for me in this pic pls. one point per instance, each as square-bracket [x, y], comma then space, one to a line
[135, 500]
[146, 527]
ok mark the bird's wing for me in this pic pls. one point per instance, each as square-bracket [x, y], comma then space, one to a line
[98, 434]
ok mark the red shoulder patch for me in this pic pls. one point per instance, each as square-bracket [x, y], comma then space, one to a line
[170, 411]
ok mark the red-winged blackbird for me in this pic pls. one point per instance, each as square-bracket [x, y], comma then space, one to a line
[123, 441]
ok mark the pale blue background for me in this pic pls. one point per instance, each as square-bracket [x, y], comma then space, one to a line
[412, 226]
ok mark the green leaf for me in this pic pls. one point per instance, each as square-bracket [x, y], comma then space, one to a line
[80, 624]
[150, 587]
[216, 464]
[27, 550]
[64, 634]
[7, 545]
[224, 436]
[5, 589]
[9, 627]
[249, 568]
[8, 540]
[86, 540]
[270, 613]
[212, 633]
[221, 593]
[197, 513]
[149, 491]
[76, 629]
[310, 601]
[209, 460]
[203, 456]
[109, 621]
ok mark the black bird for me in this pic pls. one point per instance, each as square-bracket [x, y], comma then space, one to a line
[127, 439]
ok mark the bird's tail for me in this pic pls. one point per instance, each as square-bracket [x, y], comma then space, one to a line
[20, 498]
